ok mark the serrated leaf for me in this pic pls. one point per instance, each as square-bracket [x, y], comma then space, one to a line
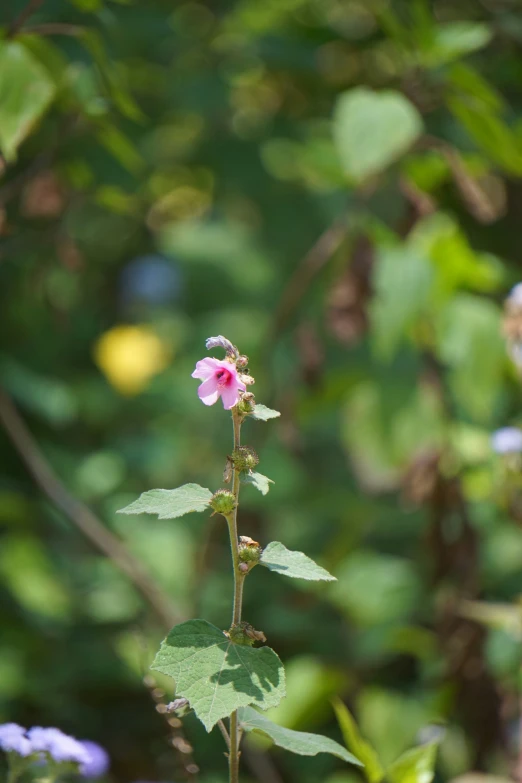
[26, 91]
[260, 482]
[170, 503]
[373, 129]
[216, 675]
[373, 769]
[262, 413]
[415, 766]
[301, 742]
[276, 557]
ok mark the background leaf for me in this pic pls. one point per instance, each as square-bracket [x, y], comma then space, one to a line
[415, 766]
[373, 129]
[26, 90]
[373, 770]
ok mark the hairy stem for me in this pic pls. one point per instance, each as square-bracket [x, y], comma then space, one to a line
[239, 579]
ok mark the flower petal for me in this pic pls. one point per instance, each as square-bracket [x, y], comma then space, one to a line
[229, 395]
[205, 368]
[208, 391]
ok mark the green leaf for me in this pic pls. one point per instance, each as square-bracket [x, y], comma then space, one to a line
[415, 766]
[260, 482]
[402, 283]
[489, 132]
[373, 129]
[262, 413]
[170, 503]
[216, 675]
[301, 742]
[276, 557]
[26, 91]
[373, 769]
[470, 343]
[454, 39]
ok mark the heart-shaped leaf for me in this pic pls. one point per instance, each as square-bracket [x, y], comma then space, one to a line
[170, 503]
[276, 557]
[216, 675]
[301, 742]
[373, 129]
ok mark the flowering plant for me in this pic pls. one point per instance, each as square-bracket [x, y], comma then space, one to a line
[230, 674]
[51, 753]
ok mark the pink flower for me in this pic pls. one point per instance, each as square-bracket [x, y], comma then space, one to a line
[220, 379]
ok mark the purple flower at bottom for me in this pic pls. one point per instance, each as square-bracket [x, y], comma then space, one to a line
[98, 763]
[58, 745]
[12, 738]
[507, 440]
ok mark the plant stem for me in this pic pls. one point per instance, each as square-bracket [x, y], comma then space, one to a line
[239, 580]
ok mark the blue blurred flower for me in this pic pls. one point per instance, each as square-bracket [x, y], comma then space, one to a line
[507, 440]
[99, 762]
[12, 738]
[152, 279]
[58, 745]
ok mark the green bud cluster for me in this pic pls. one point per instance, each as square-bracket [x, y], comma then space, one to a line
[223, 502]
[245, 634]
[247, 403]
[244, 458]
[249, 550]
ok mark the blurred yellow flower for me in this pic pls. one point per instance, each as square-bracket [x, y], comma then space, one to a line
[130, 356]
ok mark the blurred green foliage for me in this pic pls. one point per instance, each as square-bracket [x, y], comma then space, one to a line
[167, 167]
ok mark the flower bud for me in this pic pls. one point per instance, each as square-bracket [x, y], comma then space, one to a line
[244, 458]
[249, 551]
[247, 403]
[241, 361]
[245, 634]
[177, 704]
[243, 567]
[223, 502]
[222, 342]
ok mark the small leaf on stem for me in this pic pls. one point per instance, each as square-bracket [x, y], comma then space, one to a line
[276, 557]
[170, 503]
[260, 482]
[216, 675]
[301, 742]
[262, 413]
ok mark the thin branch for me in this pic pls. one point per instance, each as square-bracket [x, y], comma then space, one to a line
[81, 516]
[261, 765]
[54, 28]
[224, 732]
[310, 265]
[17, 24]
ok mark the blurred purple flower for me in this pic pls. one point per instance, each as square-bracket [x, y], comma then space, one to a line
[99, 762]
[507, 440]
[152, 279]
[58, 745]
[515, 295]
[12, 738]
